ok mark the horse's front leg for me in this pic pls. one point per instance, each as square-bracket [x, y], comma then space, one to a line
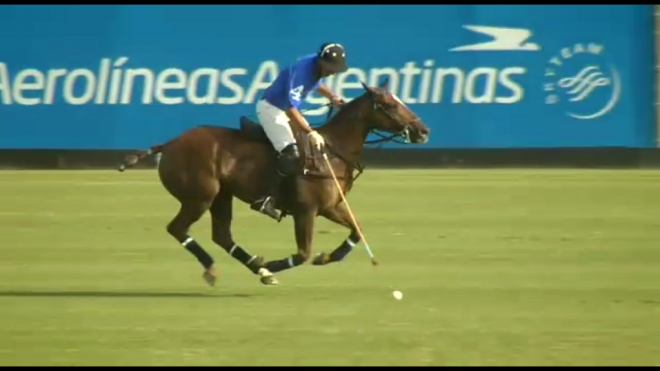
[304, 231]
[341, 216]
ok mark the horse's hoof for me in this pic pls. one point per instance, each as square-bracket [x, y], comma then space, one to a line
[321, 259]
[256, 263]
[267, 277]
[209, 278]
[269, 281]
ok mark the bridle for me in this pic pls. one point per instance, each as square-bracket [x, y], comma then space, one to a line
[384, 138]
[392, 137]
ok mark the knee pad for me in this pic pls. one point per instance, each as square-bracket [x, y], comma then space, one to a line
[289, 161]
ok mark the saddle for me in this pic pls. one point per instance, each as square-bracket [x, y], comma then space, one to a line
[253, 130]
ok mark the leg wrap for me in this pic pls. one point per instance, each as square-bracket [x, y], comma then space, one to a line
[242, 256]
[343, 250]
[202, 256]
[280, 265]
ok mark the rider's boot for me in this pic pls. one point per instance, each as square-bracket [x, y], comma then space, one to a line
[288, 164]
[266, 204]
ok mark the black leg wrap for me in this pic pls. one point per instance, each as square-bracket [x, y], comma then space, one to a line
[239, 254]
[246, 259]
[280, 265]
[202, 256]
[340, 253]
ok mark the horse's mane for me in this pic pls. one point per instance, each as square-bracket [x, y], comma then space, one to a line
[349, 109]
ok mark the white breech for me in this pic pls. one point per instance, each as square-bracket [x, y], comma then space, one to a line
[276, 125]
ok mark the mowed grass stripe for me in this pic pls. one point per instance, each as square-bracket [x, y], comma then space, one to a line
[510, 267]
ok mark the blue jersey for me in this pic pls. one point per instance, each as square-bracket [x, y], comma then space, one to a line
[294, 83]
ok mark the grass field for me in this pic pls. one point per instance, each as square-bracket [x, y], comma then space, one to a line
[497, 268]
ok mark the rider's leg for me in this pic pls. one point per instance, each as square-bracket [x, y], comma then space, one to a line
[288, 164]
[276, 125]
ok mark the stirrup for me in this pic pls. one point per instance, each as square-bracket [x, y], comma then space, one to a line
[260, 206]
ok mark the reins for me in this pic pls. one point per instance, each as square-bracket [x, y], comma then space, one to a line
[356, 164]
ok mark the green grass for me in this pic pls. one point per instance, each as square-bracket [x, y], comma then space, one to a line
[508, 267]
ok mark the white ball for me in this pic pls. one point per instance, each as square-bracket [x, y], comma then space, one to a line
[398, 295]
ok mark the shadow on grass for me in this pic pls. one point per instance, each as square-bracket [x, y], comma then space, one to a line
[118, 294]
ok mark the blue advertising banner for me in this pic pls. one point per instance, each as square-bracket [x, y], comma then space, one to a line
[481, 76]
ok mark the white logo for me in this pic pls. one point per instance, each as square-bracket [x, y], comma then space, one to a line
[504, 39]
[578, 78]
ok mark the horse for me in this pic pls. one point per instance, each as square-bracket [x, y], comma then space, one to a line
[206, 167]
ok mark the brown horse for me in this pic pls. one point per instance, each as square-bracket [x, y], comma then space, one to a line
[207, 166]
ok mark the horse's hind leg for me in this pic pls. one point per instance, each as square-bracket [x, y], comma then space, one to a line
[221, 214]
[190, 212]
[341, 216]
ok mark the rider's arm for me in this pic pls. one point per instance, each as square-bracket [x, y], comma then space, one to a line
[297, 117]
[294, 98]
[325, 91]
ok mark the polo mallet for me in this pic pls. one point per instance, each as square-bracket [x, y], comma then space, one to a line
[350, 212]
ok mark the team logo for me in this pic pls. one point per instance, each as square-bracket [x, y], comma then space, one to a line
[580, 81]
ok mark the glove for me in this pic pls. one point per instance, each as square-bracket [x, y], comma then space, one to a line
[337, 102]
[316, 139]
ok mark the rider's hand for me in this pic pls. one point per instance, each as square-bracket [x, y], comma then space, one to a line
[316, 139]
[336, 101]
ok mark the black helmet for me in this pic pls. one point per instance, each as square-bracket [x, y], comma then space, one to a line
[333, 56]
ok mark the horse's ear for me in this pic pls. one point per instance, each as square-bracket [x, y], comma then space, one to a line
[365, 86]
[369, 90]
[385, 83]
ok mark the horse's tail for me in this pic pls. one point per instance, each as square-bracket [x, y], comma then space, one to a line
[131, 159]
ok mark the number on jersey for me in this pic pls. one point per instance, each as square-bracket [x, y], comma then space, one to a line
[296, 93]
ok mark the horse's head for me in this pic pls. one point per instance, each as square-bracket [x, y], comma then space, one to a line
[392, 115]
